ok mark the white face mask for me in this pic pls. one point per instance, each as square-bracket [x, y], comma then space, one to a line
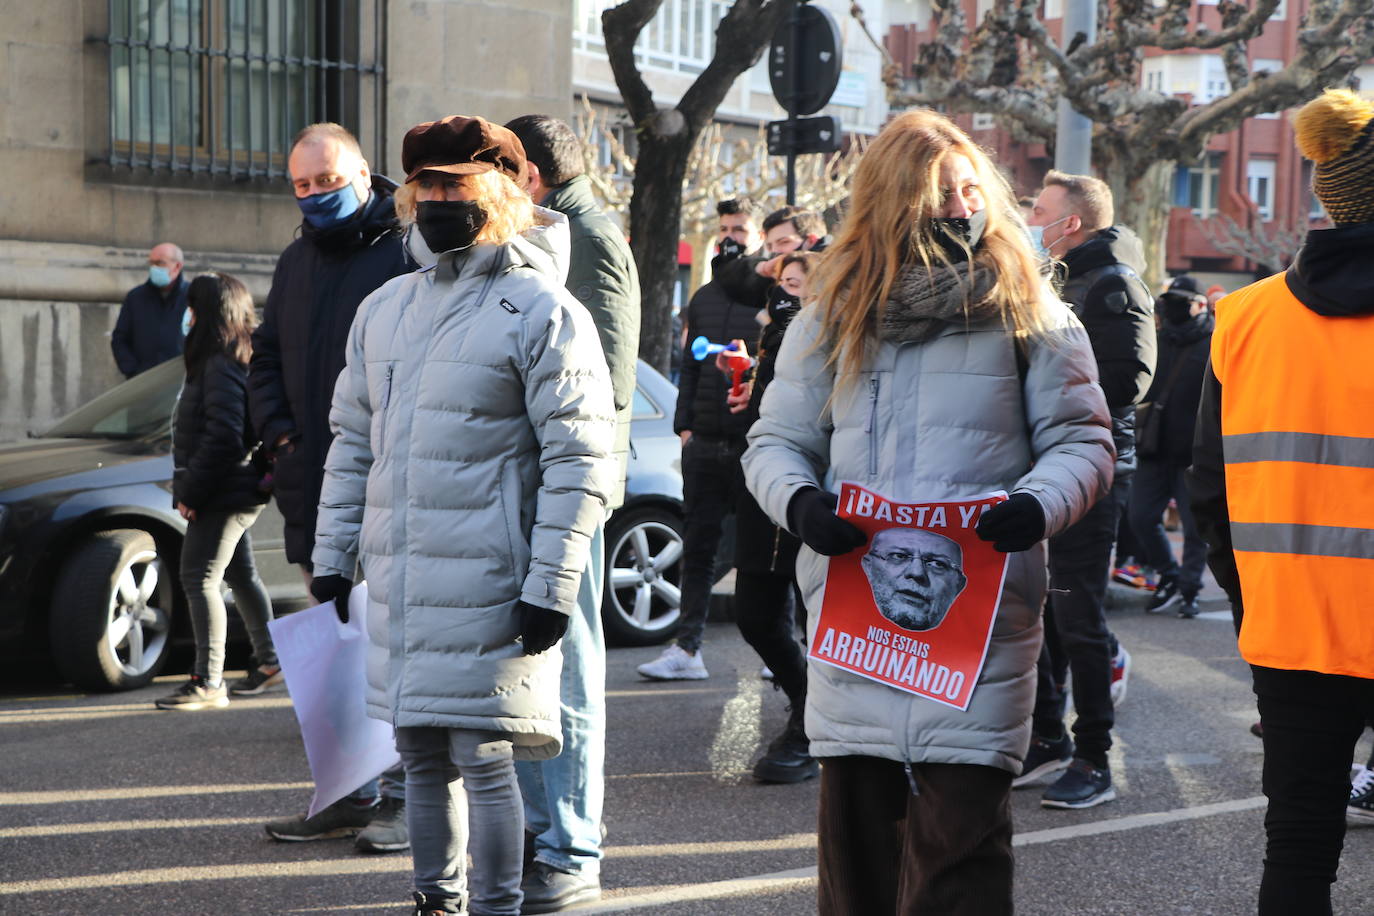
[1037, 237]
[415, 246]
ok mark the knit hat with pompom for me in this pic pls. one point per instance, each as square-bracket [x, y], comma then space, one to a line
[1336, 131]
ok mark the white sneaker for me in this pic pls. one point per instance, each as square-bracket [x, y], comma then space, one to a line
[766, 673]
[1121, 672]
[675, 664]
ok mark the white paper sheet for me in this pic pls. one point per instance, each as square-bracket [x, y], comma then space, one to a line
[322, 661]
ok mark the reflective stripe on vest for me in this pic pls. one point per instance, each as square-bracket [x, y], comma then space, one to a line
[1298, 442]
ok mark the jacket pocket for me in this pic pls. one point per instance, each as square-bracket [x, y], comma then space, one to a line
[516, 541]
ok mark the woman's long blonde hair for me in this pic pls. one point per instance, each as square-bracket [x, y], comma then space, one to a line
[889, 224]
[509, 209]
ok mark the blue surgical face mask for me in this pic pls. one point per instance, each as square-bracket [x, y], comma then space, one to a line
[188, 318]
[1037, 237]
[333, 208]
[159, 276]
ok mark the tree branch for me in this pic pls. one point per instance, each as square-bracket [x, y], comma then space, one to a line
[620, 26]
[738, 47]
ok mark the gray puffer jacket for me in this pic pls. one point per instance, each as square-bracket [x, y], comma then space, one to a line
[472, 459]
[947, 418]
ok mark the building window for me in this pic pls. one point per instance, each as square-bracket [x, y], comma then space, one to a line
[220, 87]
[1198, 186]
[1315, 211]
[984, 121]
[1259, 183]
[680, 38]
[1215, 82]
[1054, 9]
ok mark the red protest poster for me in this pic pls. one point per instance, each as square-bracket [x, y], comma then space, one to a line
[914, 608]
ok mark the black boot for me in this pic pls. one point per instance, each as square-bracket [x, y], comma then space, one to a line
[448, 907]
[788, 758]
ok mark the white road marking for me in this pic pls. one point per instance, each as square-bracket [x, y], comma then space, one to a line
[93, 795]
[41, 830]
[738, 735]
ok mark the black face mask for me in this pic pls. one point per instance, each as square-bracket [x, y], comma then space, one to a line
[449, 224]
[782, 305]
[729, 249]
[957, 236]
[1175, 309]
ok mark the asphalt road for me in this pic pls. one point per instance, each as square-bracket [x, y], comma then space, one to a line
[109, 806]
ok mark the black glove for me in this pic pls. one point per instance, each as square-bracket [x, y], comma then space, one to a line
[335, 589]
[1017, 524]
[811, 515]
[540, 627]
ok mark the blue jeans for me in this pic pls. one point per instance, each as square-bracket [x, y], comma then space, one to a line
[564, 796]
[463, 799]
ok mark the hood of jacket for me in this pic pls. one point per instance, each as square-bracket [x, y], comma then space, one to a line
[1113, 245]
[546, 246]
[1334, 272]
[373, 220]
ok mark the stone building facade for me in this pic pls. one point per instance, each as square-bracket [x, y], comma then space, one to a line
[124, 123]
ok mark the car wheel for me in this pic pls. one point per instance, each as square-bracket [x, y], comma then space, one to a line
[642, 601]
[111, 612]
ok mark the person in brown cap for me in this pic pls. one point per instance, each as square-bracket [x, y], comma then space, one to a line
[1283, 492]
[472, 460]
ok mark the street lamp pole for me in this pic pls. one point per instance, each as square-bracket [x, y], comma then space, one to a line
[1073, 147]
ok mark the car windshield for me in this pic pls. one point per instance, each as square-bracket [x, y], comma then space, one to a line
[140, 408]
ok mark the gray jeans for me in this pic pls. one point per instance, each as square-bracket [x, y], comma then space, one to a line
[460, 782]
[217, 549]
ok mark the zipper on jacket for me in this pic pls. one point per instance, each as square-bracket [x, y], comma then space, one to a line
[871, 427]
[386, 388]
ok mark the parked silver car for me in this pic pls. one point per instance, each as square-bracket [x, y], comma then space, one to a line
[89, 539]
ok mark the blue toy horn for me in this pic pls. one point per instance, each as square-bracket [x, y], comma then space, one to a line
[702, 348]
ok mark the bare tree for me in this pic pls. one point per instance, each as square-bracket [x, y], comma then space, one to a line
[1270, 245]
[717, 168]
[666, 137]
[1010, 65]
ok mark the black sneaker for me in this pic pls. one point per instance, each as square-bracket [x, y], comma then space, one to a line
[259, 680]
[194, 695]
[1360, 809]
[1043, 758]
[788, 758]
[1188, 609]
[548, 890]
[1166, 595]
[424, 906]
[1082, 786]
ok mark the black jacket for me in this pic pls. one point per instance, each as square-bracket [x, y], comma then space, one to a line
[148, 330]
[1332, 275]
[1102, 283]
[298, 350]
[213, 441]
[723, 310]
[1185, 345]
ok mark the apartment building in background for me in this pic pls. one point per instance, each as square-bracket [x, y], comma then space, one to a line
[1252, 175]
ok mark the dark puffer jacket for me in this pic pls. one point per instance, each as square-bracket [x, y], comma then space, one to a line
[1187, 344]
[212, 440]
[723, 310]
[298, 350]
[1104, 287]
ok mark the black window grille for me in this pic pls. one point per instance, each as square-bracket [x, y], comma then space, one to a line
[220, 87]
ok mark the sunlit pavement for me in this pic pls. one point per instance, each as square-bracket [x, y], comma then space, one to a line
[109, 806]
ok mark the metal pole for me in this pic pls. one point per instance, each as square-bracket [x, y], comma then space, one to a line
[1073, 148]
[794, 93]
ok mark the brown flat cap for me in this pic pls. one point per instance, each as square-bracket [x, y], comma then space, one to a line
[461, 145]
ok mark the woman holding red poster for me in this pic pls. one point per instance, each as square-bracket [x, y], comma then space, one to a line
[933, 370]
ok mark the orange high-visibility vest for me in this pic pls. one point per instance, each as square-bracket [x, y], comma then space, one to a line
[1297, 422]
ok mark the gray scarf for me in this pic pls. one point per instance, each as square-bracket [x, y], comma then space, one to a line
[924, 301]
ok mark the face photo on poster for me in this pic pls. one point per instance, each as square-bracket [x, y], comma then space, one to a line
[914, 608]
